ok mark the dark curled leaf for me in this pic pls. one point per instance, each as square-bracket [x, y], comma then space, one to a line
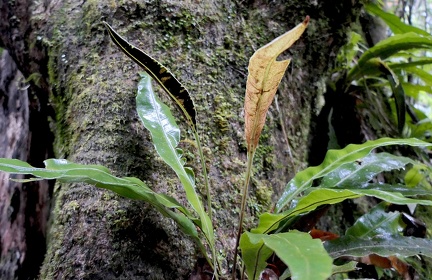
[159, 73]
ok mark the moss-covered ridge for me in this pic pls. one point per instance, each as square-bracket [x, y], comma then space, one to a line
[207, 46]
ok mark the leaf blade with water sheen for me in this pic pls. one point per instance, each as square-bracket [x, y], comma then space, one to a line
[334, 159]
[100, 176]
[165, 133]
[383, 245]
[323, 196]
[359, 173]
[317, 197]
[376, 222]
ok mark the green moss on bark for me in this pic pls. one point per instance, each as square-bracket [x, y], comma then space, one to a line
[207, 46]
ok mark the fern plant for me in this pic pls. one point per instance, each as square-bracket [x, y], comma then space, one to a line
[392, 65]
[344, 174]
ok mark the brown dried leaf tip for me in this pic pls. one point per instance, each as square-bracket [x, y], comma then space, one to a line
[265, 74]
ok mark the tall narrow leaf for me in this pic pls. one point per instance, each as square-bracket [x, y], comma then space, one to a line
[389, 47]
[334, 159]
[265, 74]
[172, 86]
[269, 222]
[160, 73]
[317, 197]
[65, 171]
[393, 21]
[358, 174]
[165, 133]
[371, 67]
[383, 245]
[376, 222]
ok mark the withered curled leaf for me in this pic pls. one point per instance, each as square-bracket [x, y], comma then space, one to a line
[265, 74]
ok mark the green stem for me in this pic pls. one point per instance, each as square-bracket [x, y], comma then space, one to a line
[204, 168]
[248, 175]
[209, 199]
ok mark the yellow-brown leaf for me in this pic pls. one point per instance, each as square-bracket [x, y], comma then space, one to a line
[265, 74]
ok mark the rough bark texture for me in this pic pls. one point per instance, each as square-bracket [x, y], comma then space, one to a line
[24, 208]
[98, 235]
[14, 131]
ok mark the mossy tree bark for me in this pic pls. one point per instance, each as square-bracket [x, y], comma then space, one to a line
[13, 138]
[63, 44]
[24, 208]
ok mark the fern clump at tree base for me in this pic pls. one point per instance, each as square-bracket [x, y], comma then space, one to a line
[274, 246]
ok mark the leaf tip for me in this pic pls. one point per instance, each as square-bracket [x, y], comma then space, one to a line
[106, 24]
[306, 21]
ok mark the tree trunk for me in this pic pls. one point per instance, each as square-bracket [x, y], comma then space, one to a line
[24, 207]
[96, 234]
[13, 140]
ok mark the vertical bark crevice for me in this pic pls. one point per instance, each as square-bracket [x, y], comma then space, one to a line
[35, 139]
[14, 142]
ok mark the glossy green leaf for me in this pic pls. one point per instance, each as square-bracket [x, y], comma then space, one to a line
[254, 253]
[350, 50]
[414, 91]
[389, 47]
[421, 129]
[101, 177]
[393, 197]
[165, 133]
[418, 175]
[317, 197]
[396, 66]
[305, 257]
[376, 222]
[373, 67]
[404, 190]
[334, 159]
[160, 73]
[395, 44]
[425, 76]
[353, 184]
[358, 173]
[269, 222]
[383, 245]
[389, 195]
[393, 21]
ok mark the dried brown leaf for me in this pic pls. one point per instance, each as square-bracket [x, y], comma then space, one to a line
[265, 74]
[323, 235]
[387, 262]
